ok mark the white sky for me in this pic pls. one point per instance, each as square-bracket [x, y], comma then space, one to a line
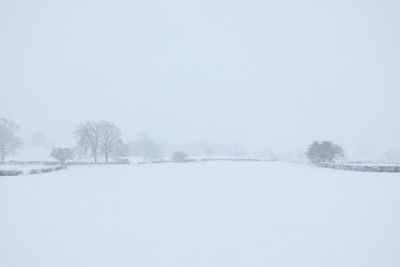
[275, 74]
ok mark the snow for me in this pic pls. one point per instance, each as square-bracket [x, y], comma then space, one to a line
[200, 214]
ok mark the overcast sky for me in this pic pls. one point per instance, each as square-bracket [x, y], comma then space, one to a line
[276, 74]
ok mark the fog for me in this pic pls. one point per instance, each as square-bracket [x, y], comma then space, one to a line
[262, 74]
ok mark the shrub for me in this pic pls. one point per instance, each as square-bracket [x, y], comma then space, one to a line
[62, 154]
[324, 151]
[179, 156]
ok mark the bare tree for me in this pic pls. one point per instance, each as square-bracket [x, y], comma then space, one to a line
[121, 150]
[9, 142]
[99, 138]
[87, 136]
[110, 139]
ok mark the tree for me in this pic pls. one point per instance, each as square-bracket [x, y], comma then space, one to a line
[62, 154]
[324, 151]
[209, 152]
[99, 138]
[87, 136]
[145, 147]
[179, 156]
[121, 149]
[110, 139]
[9, 142]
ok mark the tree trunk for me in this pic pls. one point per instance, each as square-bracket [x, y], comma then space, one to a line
[3, 158]
[106, 154]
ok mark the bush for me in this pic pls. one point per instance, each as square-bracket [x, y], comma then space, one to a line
[179, 156]
[324, 151]
[62, 154]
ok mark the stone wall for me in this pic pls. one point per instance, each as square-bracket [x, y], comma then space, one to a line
[361, 168]
[32, 171]
[11, 172]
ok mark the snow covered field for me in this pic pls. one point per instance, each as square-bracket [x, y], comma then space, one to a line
[200, 214]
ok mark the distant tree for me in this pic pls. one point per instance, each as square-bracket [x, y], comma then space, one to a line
[144, 146]
[122, 149]
[392, 154]
[62, 154]
[110, 140]
[239, 153]
[324, 151]
[9, 142]
[87, 136]
[99, 139]
[179, 156]
[209, 152]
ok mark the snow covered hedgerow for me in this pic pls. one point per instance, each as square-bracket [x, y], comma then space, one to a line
[10, 172]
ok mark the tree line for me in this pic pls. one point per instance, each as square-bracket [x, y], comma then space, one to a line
[101, 140]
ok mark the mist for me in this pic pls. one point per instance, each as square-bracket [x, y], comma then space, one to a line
[275, 75]
[199, 133]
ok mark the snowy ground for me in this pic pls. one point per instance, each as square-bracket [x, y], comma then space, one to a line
[200, 214]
